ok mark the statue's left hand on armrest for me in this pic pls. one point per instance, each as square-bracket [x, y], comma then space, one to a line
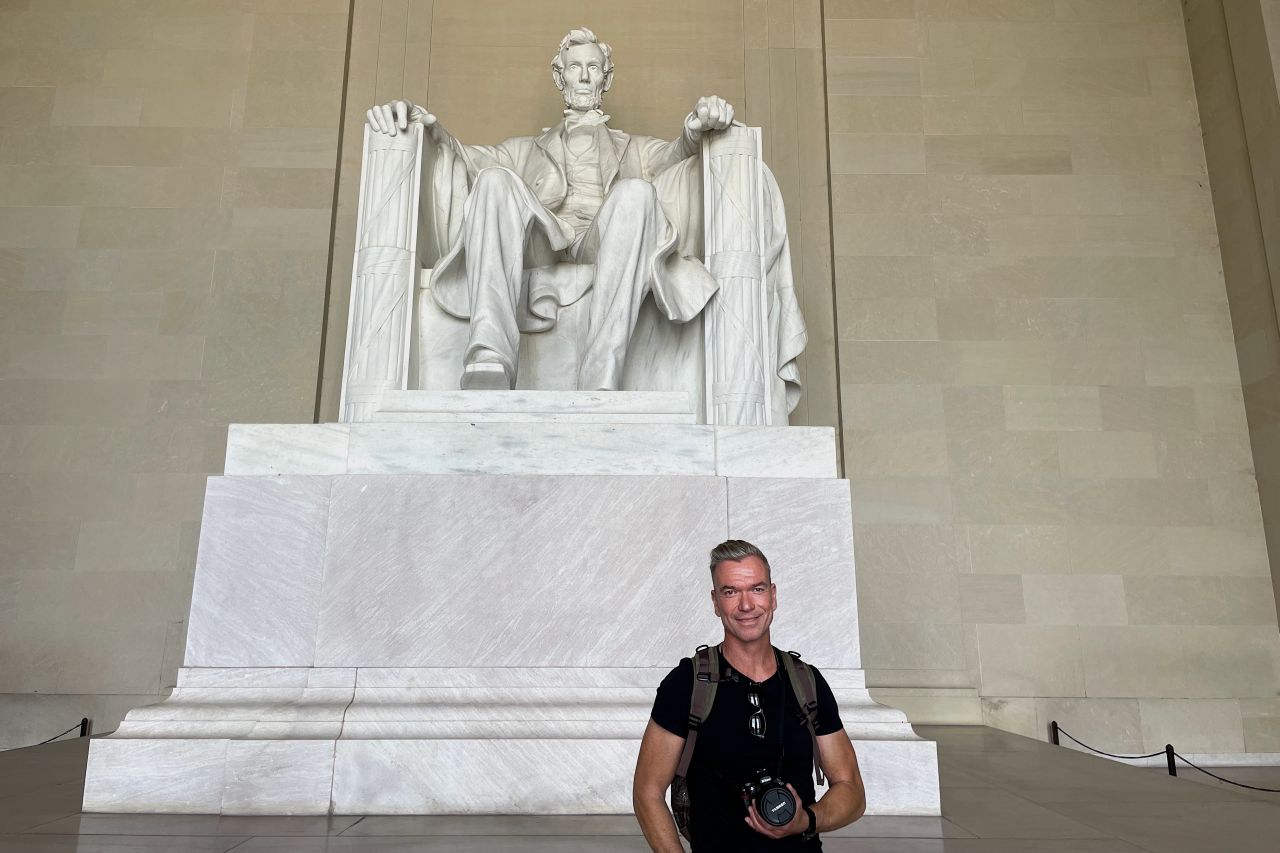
[396, 116]
[711, 113]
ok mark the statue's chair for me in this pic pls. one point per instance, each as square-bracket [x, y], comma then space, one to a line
[399, 338]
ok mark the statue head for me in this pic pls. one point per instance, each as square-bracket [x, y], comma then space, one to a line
[582, 69]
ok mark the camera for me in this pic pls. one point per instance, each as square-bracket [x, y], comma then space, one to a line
[774, 803]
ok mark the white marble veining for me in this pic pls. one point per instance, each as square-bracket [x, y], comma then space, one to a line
[302, 676]
[240, 727]
[278, 777]
[544, 448]
[557, 729]
[512, 776]
[537, 407]
[512, 677]
[775, 451]
[527, 571]
[260, 704]
[286, 449]
[903, 775]
[258, 572]
[168, 775]
[451, 704]
[803, 525]
[538, 432]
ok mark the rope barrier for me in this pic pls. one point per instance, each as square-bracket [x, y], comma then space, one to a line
[83, 726]
[1109, 754]
[1168, 752]
[1228, 781]
[55, 737]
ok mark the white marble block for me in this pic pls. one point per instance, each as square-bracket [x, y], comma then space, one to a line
[527, 571]
[255, 599]
[531, 448]
[166, 774]
[617, 407]
[802, 526]
[542, 432]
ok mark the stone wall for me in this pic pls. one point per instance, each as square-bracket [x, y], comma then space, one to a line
[166, 186]
[1234, 55]
[1055, 510]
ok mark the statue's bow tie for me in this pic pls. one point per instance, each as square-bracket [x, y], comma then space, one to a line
[590, 118]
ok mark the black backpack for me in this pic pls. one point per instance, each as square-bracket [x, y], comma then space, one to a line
[706, 676]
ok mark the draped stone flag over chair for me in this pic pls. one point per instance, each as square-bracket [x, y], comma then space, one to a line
[380, 324]
[737, 320]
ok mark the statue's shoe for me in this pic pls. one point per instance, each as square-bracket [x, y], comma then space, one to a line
[485, 376]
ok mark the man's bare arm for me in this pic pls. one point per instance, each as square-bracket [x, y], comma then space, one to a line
[655, 768]
[846, 798]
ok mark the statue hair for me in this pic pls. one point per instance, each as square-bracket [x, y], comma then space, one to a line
[733, 550]
[581, 35]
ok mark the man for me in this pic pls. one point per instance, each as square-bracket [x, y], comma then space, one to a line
[582, 192]
[731, 745]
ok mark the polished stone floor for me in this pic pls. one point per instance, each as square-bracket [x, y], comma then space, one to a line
[1000, 794]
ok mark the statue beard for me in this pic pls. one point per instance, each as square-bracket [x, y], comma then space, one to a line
[582, 101]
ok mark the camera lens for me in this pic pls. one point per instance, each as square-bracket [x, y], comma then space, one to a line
[777, 806]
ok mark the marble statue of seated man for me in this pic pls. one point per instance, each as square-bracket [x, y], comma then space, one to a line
[616, 208]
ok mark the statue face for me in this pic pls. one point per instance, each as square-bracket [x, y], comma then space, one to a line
[584, 79]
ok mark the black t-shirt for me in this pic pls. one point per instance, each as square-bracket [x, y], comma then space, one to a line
[727, 753]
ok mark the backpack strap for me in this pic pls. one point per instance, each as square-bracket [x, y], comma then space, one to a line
[706, 675]
[805, 686]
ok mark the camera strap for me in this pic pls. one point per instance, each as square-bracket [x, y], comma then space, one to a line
[782, 717]
[805, 686]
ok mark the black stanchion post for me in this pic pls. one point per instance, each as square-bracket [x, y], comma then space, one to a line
[1168, 757]
[84, 727]
[1053, 733]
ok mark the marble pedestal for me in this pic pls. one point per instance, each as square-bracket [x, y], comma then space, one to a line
[439, 614]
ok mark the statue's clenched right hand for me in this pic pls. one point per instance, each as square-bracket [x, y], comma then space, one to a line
[394, 117]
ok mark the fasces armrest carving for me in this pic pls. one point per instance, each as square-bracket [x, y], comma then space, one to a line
[380, 324]
[739, 359]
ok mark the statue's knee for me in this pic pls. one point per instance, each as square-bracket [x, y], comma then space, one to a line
[494, 180]
[634, 191]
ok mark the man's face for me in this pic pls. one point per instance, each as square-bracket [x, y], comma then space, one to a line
[744, 599]
[583, 76]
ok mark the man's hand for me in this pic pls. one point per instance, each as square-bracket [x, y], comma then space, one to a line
[710, 113]
[799, 821]
[394, 117]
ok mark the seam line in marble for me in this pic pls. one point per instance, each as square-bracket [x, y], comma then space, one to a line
[342, 726]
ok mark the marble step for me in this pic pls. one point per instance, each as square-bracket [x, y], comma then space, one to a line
[618, 407]
[427, 776]
[547, 448]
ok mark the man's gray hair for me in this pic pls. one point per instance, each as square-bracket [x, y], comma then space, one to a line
[579, 35]
[733, 550]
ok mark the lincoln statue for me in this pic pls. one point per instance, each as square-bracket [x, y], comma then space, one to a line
[582, 211]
